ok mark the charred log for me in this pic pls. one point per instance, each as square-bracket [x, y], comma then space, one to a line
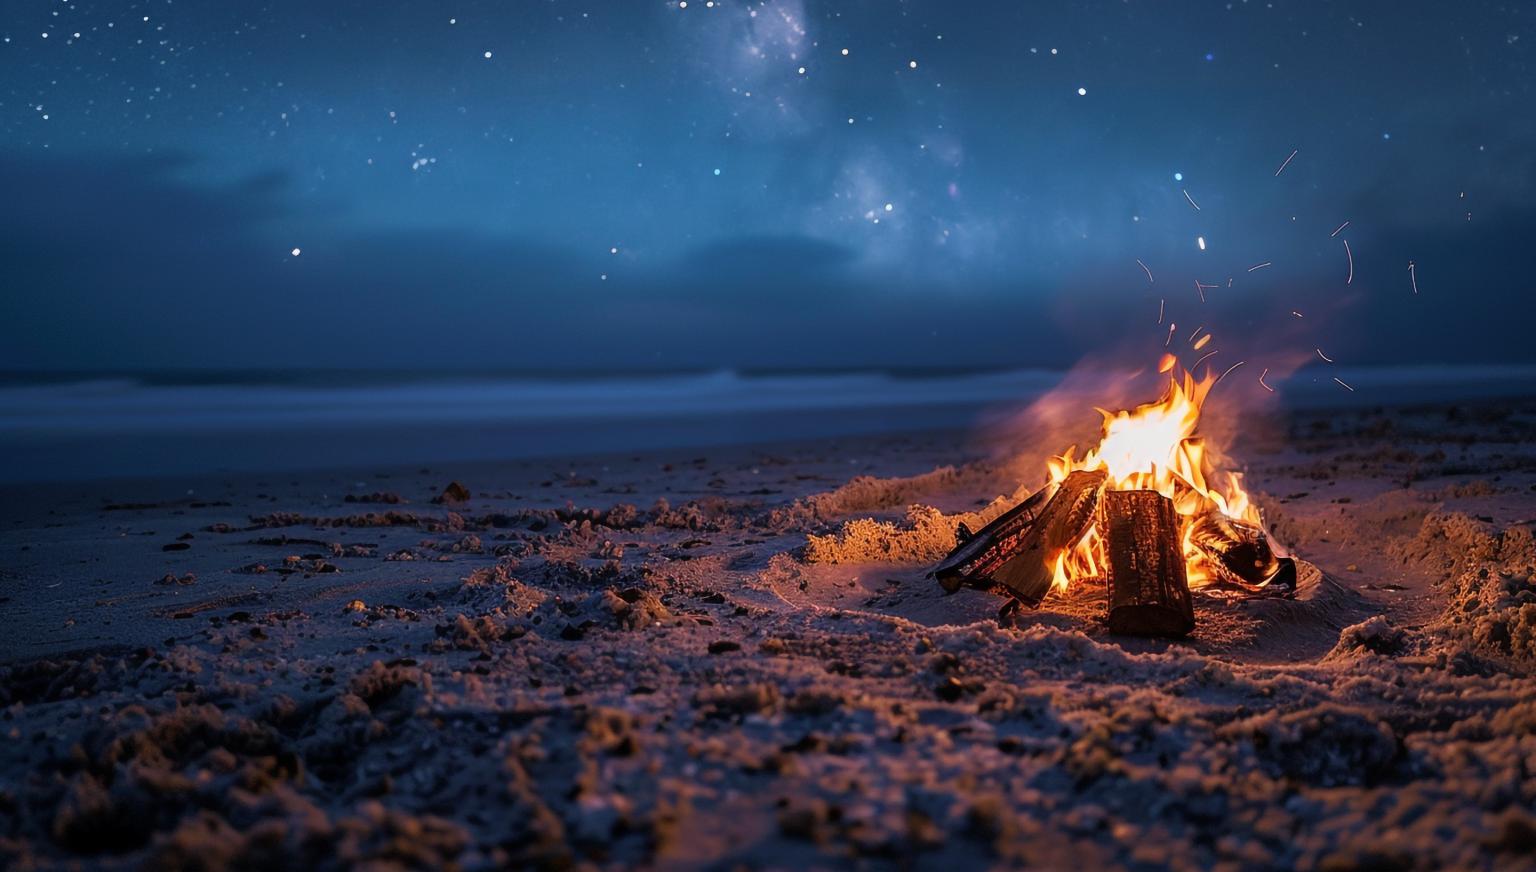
[1148, 587]
[1238, 553]
[1027, 572]
[1290, 576]
[979, 554]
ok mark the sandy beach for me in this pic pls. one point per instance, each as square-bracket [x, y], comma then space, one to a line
[733, 658]
[777, 435]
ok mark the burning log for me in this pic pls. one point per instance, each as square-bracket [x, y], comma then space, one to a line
[1148, 587]
[1108, 520]
[1289, 577]
[1019, 561]
[1238, 553]
[979, 554]
[1063, 521]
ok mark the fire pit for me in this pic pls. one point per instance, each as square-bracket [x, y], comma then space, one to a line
[1144, 513]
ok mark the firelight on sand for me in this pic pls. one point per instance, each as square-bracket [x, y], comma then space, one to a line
[1155, 447]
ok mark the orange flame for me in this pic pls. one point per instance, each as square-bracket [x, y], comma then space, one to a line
[1155, 447]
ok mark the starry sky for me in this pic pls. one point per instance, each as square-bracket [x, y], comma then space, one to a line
[561, 186]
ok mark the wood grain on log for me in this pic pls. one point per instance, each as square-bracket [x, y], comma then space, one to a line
[1238, 553]
[1027, 572]
[976, 557]
[1148, 586]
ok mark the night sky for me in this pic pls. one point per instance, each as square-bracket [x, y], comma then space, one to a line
[568, 186]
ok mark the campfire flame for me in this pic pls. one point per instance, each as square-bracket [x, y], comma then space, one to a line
[1155, 447]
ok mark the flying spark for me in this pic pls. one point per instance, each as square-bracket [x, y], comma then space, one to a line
[1322, 355]
[1349, 279]
[1227, 373]
[1262, 384]
[1343, 385]
[1286, 163]
[1191, 199]
[1160, 310]
[1204, 341]
[1337, 229]
[1150, 280]
[1203, 358]
[1171, 327]
[1259, 266]
[1200, 241]
[1413, 278]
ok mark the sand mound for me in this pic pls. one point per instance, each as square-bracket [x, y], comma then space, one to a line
[1489, 578]
[924, 536]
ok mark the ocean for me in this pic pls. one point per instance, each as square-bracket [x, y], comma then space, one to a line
[71, 427]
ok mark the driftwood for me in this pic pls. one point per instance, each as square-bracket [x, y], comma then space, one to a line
[1238, 553]
[1148, 587]
[979, 554]
[1027, 573]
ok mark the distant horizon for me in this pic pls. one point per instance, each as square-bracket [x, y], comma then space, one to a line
[116, 426]
[351, 376]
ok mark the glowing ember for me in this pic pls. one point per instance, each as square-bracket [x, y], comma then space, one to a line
[1155, 447]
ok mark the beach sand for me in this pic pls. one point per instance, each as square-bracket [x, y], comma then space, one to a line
[724, 658]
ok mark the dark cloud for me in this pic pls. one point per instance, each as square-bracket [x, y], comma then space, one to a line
[769, 258]
[126, 263]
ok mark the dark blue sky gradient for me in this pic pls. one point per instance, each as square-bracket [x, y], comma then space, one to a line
[635, 184]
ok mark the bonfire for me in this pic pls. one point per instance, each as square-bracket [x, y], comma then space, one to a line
[1144, 513]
